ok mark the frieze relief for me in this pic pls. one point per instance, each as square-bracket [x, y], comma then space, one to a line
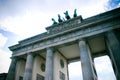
[65, 26]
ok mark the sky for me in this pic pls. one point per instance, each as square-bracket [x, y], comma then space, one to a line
[20, 19]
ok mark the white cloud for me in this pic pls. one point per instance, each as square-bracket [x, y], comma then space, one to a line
[4, 61]
[27, 25]
[3, 40]
[93, 7]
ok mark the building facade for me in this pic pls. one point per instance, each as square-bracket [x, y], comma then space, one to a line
[46, 56]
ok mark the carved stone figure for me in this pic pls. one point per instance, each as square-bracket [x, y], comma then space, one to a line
[54, 22]
[75, 13]
[81, 19]
[67, 15]
[59, 18]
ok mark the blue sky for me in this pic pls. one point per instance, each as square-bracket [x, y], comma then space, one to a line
[20, 19]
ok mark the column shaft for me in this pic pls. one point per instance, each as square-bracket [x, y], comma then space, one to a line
[86, 61]
[49, 64]
[11, 72]
[114, 49]
[95, 72]
[28, 67]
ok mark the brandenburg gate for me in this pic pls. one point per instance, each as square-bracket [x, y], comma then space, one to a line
[46, 56]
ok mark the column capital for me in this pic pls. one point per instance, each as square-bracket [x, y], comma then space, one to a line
[109, 32]
[51, 48]
[14, 58]
[30, 53]
[83, 39]
[82, 43]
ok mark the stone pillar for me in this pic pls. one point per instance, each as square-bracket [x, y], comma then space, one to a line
[114, 50]
[28, 67]
[95, 72]
[49, 64]
[11, 72]
[93, 64]
[67, 70]
[86, 61]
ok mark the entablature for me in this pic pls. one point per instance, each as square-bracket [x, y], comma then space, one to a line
[79, 29]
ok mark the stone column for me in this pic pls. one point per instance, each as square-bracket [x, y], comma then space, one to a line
[86, 61]
[93, 64]
[114, 50]
[49, 64]
[28, 67]
[67, 70]
[11, 72]
[95, 72]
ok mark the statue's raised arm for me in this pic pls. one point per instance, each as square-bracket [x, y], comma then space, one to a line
[67, 15]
